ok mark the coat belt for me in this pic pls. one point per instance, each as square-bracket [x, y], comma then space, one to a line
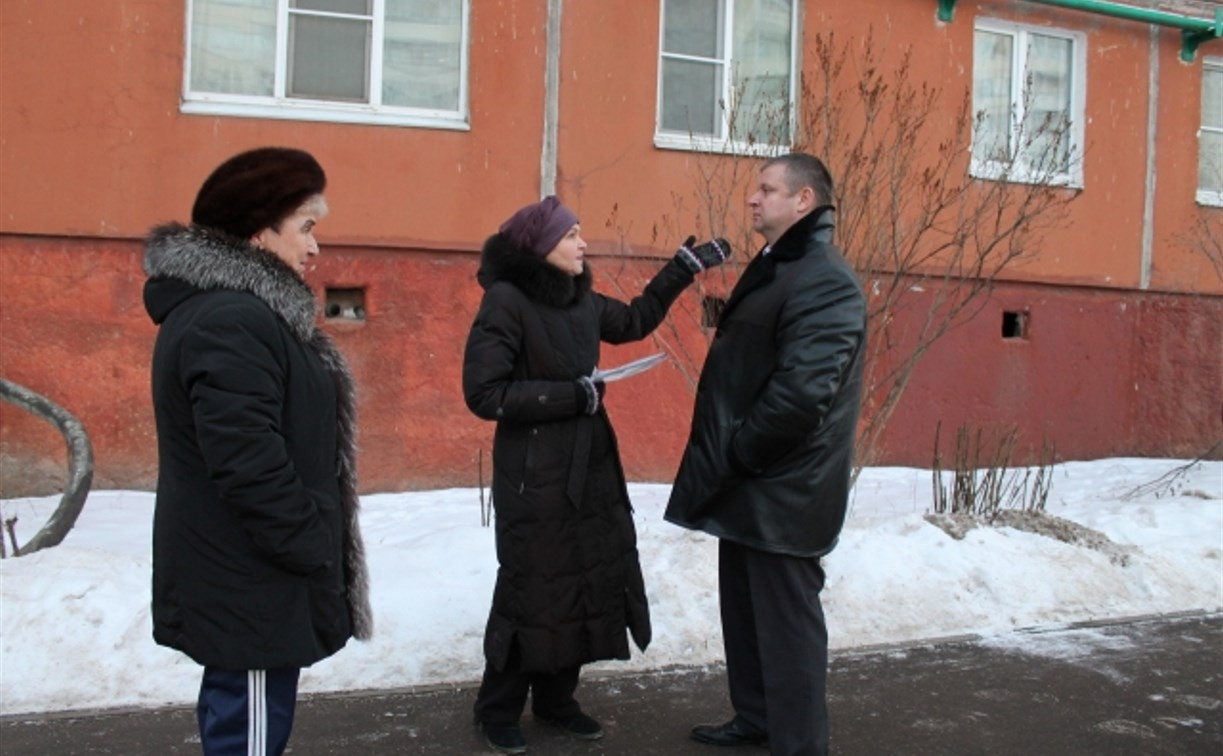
[580, 461]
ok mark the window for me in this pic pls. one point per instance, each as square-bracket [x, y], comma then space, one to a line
[1210, 137]
[400, 62]
[1027, 92]
[726, 73]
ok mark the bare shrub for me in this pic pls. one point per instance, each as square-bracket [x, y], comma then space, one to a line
[983, 481]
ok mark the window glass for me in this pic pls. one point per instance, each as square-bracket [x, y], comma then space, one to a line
[1047, 115]
[422, 54]
[393, 61]
[762, 71]
[726, 72]
[233, 47]
[351, 7]
[1212, 95]
[328, 58]
[1027, 102]
[693, 27]
[690, 95]
[1210, 137]
[991, 94]
[1210, 162]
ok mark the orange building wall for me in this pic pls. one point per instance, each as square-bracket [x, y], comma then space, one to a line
[93, 151]
[1177, 260]
[94, 144]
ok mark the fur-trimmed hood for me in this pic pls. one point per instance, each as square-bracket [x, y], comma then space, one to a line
[539, 280]
[204, 259]
[182, 261]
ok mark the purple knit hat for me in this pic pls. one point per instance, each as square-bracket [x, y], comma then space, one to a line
[538, 227]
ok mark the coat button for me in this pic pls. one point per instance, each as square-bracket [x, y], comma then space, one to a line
[535, 431]
[543, 398]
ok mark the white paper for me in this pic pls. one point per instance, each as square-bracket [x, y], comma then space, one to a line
[628, 368]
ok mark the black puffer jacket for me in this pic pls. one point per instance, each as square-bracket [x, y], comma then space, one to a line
[569, 581]
[257, 557]
[769, 458]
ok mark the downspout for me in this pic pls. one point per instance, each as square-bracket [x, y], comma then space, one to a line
[1194, 30]
[552, 67]
[1148, 199]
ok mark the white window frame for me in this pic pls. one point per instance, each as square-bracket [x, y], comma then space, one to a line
[1017, 171]
[280, 106]
[676, 140]
[1207, 196]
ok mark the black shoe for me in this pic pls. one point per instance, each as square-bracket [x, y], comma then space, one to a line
[579, 726]
[504, 738]
[733, 733]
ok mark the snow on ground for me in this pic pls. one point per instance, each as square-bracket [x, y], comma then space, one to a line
[75, 631]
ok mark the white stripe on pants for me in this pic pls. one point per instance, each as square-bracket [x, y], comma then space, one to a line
[244, 712]
[257, 712]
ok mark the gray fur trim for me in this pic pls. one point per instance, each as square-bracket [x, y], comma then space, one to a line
[209, 260]
[356, 573]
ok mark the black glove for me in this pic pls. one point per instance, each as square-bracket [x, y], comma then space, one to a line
[588, 394]
[702, 256]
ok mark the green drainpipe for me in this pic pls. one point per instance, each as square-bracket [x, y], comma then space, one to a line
[1194, 30]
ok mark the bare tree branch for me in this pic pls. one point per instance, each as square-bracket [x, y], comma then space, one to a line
[928, 239]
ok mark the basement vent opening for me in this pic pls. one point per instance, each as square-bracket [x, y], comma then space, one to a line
[711, 311]
[344, 305]
[1014, 325]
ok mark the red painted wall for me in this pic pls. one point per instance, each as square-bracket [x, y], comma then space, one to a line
[73, 328]
[1098, 373]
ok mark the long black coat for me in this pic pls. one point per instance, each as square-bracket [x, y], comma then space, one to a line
[569, 581]
[769, 458]
[257, 557]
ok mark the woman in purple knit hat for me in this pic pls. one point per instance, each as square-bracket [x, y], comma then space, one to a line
[569, 589]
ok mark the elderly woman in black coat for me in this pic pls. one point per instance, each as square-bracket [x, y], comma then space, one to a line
[569, 583]
[258, 566]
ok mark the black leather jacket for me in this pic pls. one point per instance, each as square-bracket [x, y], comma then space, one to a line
[769, 458]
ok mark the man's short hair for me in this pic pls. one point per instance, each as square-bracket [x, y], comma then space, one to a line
[806, 170]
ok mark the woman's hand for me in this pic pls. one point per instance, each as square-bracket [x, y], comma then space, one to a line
[699, 257]
[589, 395]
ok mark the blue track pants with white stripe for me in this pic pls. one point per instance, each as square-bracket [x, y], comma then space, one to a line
[246, 712]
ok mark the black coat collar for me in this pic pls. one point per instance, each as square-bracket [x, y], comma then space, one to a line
[540, 281]
[809, 230]
[814, 226]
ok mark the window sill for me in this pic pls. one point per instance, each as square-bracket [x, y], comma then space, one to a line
[995, 172]
[351, 114]
[1208, 198]
[694, 143]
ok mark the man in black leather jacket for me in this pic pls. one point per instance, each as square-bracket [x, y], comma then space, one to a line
[768, 461]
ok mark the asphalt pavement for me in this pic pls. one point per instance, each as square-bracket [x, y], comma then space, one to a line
[1143, 687]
